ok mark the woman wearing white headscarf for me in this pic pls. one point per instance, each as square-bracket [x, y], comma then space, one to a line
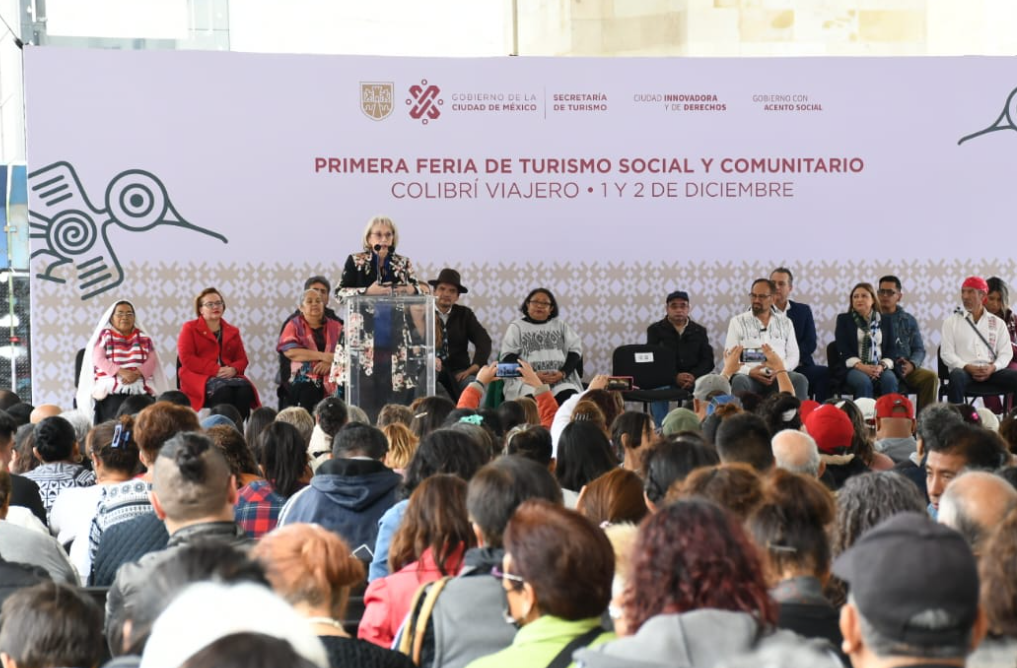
[120, 360]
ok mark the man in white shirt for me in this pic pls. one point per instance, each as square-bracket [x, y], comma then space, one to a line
[976, 345]
[751, 330]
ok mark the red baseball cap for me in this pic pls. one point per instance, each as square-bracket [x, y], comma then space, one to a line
[831, 428]
[894, 406]
[808, 406]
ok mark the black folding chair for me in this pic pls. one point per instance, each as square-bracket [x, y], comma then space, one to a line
[650, 367]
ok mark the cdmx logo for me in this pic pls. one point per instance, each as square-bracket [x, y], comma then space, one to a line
[1007, 119]
[424, 102]
[65, 228]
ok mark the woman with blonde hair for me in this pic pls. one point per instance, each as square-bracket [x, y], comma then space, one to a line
[402, 443]
[300, 418]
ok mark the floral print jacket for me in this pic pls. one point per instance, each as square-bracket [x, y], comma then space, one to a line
[361, 271]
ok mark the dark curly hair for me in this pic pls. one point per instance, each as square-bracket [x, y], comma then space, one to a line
[780, 411]
[691, 555]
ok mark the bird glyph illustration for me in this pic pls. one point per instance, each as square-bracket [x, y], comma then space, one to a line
[65, 228]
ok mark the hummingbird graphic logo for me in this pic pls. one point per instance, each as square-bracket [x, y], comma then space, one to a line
[1005, 120]
[67, 229]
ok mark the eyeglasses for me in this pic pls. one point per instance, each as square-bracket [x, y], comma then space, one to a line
[120, 314]
[882, 292]
[515, 580]
[541, 304]
[382, 235]
[213, 304]
[753, 296]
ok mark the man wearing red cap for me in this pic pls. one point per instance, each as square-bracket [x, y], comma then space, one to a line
[895, 427]
[833, 432]
[976, 345]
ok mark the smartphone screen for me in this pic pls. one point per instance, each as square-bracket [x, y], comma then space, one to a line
[508, 370]
[619, 383]
[752, 356]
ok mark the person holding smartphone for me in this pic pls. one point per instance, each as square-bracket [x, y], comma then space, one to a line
[763, 325]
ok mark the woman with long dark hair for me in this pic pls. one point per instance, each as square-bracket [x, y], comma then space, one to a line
[283, 460]
[434, 534]
[584, 454]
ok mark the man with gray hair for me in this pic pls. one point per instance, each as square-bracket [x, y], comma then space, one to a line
[914, 596]
[796, 451]
[975, 502]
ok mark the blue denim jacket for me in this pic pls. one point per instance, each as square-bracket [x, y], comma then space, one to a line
[906, 336]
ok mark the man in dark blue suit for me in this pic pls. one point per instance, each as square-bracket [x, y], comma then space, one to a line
[805, 332]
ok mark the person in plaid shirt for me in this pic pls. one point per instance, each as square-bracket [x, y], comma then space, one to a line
[283, 454]
[258, 507]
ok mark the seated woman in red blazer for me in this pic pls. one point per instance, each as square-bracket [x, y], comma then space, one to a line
[212, 358]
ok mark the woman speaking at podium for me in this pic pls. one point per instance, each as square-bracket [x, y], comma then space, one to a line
[383, 330]
[378, 270]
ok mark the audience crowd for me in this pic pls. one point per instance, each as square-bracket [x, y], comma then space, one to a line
[751, 525]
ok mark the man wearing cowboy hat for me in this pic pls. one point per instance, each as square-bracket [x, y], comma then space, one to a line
[976, 345]
[458, 327]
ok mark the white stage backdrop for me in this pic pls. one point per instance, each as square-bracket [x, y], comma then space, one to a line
[612, 182]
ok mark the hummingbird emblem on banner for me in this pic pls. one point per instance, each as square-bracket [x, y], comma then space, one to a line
[66, 228]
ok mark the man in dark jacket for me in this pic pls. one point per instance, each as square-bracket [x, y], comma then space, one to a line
[193, 493]
[800, 316]
[693, 354]
[350, 492]
[459, 327]
[909, 345]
